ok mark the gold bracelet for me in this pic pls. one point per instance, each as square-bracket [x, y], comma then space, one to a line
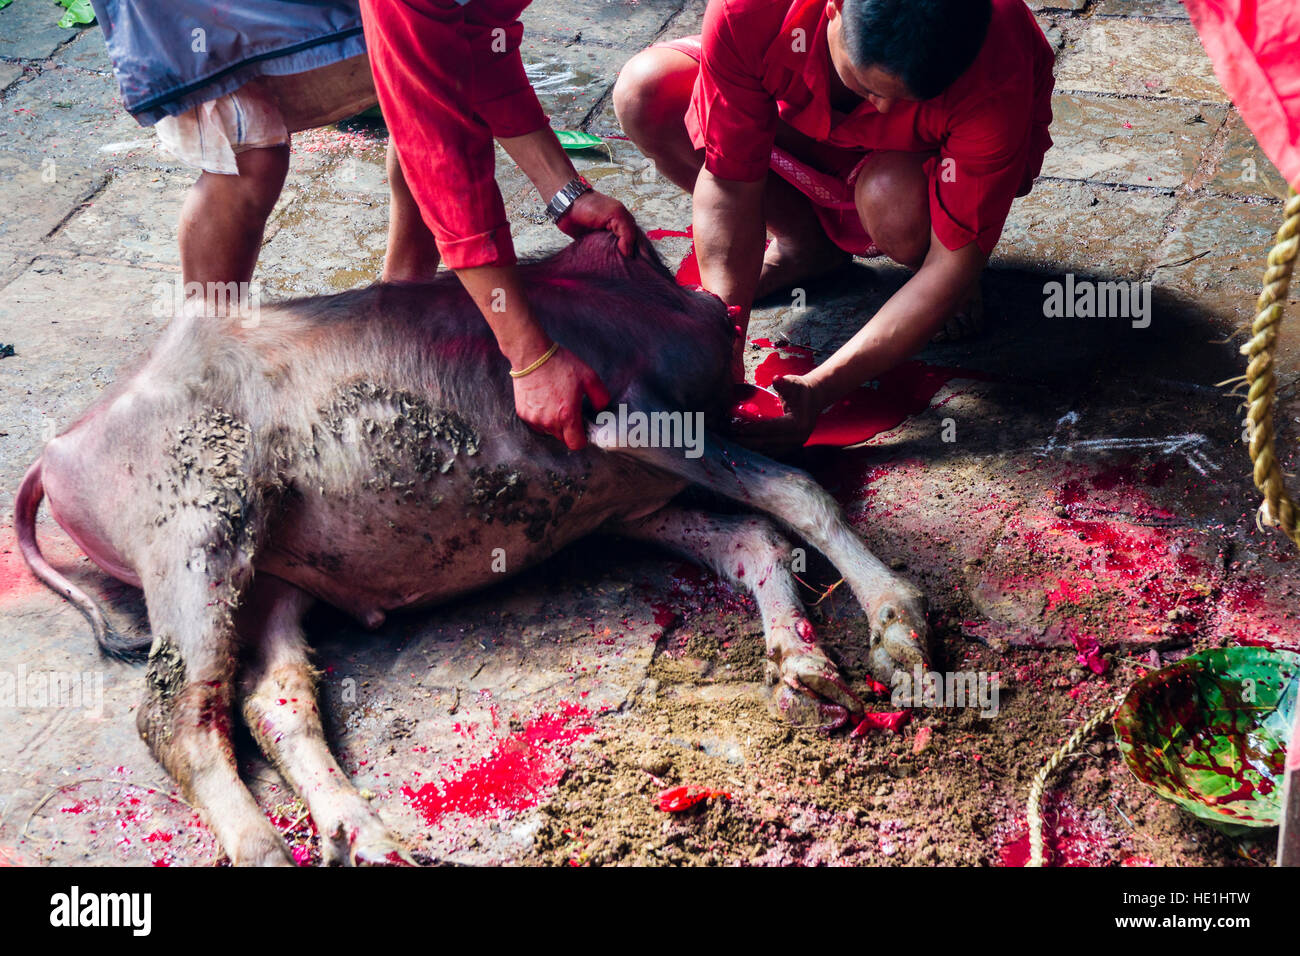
[538, 364]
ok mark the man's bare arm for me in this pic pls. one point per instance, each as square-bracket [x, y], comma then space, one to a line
[904, 324]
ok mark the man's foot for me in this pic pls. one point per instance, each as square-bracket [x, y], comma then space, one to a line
[786, 264]
[966, 324]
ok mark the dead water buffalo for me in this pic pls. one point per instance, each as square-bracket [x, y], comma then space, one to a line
[362, 450]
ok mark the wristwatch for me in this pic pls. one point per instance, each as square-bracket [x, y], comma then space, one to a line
[562, 200]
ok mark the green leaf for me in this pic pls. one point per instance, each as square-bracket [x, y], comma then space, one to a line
[5, 3]
[79, 12]
[573, 139]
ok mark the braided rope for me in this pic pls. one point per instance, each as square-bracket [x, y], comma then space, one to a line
[1032, 813]
[1279, 508]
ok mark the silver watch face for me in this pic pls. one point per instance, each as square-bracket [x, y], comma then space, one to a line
[562, 200]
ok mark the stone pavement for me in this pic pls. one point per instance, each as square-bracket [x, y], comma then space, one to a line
[1074, 494]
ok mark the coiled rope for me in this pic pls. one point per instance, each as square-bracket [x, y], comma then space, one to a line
[1279, 508]
[1032, 811]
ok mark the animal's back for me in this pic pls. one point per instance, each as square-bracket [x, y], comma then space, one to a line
[365, 445]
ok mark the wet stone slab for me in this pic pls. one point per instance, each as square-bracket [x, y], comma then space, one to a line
[1243, 169]
[1212, 260]
[1130, 141]
[29, 30]
[134, 219]
[1144, 59]
[627, 24]
[9, 73]
[1071, 5]
[570, 79]
[70, 116]
[1163, 9]
[86, 52]
[36, 198]
[296, 262]
[1075, 227]
[73, 324]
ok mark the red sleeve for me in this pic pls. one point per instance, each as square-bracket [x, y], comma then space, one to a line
[447, 82]
[731, 117]
[981, 168]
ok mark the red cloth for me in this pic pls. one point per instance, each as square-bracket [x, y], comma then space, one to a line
[449, 79]
[1255, 48]
[765, 71]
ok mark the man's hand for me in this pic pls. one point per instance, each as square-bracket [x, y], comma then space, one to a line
[777, 436]
[549, 399]
[592, 212]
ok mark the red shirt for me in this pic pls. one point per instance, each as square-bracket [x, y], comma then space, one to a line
[449, 79]
[989, 129]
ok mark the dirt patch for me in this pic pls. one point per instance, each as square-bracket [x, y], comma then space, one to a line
[948, 789]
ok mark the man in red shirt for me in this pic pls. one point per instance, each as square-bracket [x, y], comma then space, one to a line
[450, 79]
[902, 127]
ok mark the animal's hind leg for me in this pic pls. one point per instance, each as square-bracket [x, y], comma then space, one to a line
[185, 718]
[278, 686]
[749, 553]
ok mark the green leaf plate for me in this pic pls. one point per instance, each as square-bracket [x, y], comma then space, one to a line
[573, 139]
[1210, 732]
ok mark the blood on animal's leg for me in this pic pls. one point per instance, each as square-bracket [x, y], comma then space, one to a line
[749, 553]
[278, 690]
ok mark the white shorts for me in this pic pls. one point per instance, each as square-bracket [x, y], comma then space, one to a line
[264, 112]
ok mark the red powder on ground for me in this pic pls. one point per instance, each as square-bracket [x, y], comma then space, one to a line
[512, 777]
[882, 720]
[677, 799]
[16, 580]
[1067, 841]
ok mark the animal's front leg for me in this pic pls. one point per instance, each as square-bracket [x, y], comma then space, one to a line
[749, 553]
[895, 608]
[185, 718]
[278, 688]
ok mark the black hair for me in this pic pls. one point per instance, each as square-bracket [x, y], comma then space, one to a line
[925, 43]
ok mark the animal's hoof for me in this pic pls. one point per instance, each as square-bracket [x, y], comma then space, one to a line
[382, 853]
[362, 840]
[262, 849]
[812, 692]
[799, 710]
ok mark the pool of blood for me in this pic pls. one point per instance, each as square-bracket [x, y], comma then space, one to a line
[875, 408]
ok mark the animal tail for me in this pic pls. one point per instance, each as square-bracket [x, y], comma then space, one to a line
[26, 504]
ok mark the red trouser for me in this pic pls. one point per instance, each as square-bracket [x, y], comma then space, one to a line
[449, 79]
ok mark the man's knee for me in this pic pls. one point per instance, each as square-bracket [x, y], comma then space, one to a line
[261, 178]
[653, 89]
[892, 196]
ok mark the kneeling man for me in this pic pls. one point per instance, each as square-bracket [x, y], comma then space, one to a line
[895, 127]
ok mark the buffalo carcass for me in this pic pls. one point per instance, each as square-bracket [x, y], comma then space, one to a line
[362, 449]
